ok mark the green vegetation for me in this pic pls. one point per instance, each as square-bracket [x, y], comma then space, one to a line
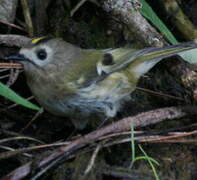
[150, 160]
[11, 95]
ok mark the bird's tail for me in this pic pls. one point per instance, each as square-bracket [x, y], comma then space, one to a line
[149, 57]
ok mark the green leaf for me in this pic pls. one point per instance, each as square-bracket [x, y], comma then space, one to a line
[149, 14]
[146, 158]
[11, 95]
[149, 159]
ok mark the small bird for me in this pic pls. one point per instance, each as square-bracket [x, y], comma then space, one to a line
[86, 83]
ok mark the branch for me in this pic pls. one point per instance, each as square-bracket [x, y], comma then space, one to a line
[140, 120]
[13, 40]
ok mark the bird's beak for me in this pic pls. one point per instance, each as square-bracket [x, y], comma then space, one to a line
[18, 57]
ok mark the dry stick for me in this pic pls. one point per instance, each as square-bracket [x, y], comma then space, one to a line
[15, 104]
[92, 160]
[8, 154]
[12, 149]
[32, 120]
[4, 76]
[77, 7]
[9, 133]
[151, 139]
[138, 26]
[3, 70]
[124, 173]
[182, 22]
[19, 138]
[13, 25]
[174, 136]
[11, 65]
[27, 16]
[112, 135]
[140, 120]
[13, 40]
[138, 139]
[80, 4]
[159, 94]
[14, 73]
[177, 141]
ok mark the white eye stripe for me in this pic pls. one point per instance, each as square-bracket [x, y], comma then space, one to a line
[103, 68]
[99, 68]
[32, 54]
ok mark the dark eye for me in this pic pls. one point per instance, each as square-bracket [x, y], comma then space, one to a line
[108, 59]
[41, 54]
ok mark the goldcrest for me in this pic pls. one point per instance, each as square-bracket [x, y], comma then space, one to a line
[86, 83]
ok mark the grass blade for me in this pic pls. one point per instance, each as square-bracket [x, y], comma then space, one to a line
[11, 95]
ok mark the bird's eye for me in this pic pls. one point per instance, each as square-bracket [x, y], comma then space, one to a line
[107, 59]
[41, 54]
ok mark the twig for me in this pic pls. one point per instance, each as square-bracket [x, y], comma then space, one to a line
[92, 160]
[13, 150]
[4, 76]
[13, 40]
[77, 7]
[11, 65]
[140, 120]
[9, 133]
[13, 25]
[32, 120]
[13, 76]
[126, 13]
[178, 141]
[180, 20]
[163, 139]
[5, 155]
[19, 138]
[125, 173]
[27, 18]
[159, 94]
[3, 70]
[80, 4]
[15, 104]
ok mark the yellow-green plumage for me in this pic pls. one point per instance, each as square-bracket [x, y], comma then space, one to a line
[70, 81]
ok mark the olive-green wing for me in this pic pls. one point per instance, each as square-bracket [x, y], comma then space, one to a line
[101, 63]
[141, 60]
